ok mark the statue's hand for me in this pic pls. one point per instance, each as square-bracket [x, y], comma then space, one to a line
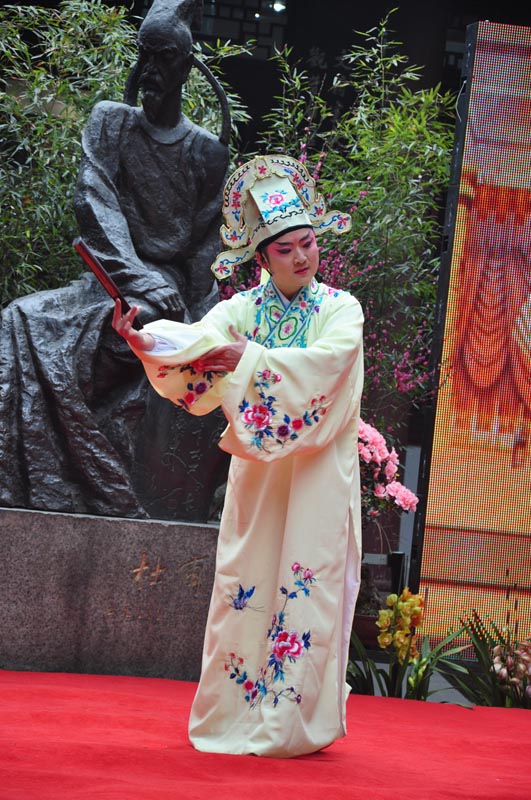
[167, 301]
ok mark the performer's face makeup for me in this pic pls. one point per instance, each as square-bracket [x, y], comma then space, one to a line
[292, 260]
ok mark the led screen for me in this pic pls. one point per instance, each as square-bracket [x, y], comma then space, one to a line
[476, 538]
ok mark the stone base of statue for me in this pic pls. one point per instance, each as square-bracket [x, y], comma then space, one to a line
[104, 596]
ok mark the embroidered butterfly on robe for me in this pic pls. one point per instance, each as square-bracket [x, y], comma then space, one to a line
[289, 547]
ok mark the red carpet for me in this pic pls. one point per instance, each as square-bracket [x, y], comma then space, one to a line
[78, 737]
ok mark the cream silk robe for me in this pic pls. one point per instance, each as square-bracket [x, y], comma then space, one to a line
[289, 548]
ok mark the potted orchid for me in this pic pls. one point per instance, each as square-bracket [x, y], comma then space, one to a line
[411, 661]
[498, 662]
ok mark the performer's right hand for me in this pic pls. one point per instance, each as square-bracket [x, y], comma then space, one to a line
[123, 325]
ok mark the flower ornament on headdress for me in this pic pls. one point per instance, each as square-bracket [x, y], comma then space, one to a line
[265, 197]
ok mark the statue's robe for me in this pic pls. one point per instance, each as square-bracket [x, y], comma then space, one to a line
[80, 431]
[148, 203]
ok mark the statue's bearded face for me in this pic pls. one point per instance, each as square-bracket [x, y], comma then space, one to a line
[166, 64]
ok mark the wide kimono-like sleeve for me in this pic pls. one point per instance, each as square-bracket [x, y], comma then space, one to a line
[290, 401]
[172, 373]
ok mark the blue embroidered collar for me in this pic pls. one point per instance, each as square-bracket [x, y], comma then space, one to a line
[278, 325]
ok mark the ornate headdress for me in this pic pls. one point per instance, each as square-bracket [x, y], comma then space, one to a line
[265, 197]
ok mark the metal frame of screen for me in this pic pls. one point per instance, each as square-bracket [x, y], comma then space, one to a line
[472, 536]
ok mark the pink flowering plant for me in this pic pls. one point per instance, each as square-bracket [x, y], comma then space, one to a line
[381, 491]
[379, 470]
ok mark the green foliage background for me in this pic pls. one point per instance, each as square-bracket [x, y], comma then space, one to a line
[55, 65]
[378, 146]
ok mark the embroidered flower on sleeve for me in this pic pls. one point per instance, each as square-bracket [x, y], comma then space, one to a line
[283, 431]
[289, 428]
[197, 386]
[259, 417]
[165, 369]
[333, 292]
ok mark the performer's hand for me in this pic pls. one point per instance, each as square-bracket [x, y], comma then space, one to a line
[224, 358]
[123, 325]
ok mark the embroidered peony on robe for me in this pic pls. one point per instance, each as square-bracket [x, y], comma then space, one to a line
[289, 548]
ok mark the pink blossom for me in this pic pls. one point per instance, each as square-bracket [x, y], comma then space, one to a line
[390, 470]
[393, 457]
[393, 488]
[307, 574]
[295, 567]
[379, 468]
[402, 496]
[364, 453]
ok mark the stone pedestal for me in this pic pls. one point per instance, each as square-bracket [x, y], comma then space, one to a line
[103, 595]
